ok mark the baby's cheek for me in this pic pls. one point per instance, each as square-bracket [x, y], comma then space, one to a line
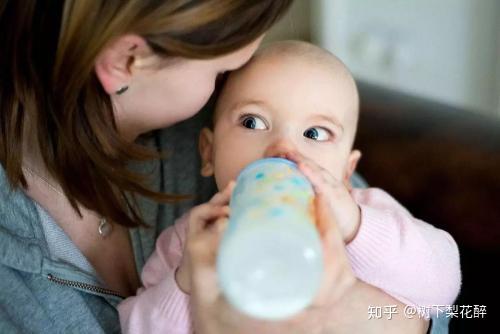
[335, 165]
[225, 169]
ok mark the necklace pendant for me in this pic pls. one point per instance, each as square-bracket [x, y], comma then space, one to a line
[105, 228]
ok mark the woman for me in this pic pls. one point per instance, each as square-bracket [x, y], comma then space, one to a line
[80, 82]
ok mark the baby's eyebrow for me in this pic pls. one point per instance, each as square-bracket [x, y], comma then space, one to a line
[245, 103]
[330, 119]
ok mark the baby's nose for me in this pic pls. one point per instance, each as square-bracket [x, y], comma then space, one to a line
[280, 148]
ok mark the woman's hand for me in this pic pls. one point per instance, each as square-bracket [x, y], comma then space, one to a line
[200, 218]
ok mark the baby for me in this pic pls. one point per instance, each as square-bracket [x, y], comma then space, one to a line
[295, 99]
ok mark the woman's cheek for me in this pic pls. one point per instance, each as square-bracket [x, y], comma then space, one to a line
[200, 93]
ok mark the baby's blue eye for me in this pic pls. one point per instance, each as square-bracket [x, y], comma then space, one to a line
[317, 133]
[253, 122]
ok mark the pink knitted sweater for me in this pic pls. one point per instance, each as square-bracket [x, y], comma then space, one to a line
[409, 259]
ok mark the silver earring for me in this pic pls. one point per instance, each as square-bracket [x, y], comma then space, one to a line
[121, 90]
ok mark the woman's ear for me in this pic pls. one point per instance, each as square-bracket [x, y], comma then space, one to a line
[352, 163]
[205, 145]
[115, 63]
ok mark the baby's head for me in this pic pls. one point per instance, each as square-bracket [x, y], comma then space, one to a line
[292, 96]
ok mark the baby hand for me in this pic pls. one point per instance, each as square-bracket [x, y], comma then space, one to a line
[346, 211]
[202, 217]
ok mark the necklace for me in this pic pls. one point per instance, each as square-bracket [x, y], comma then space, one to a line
[104, 229]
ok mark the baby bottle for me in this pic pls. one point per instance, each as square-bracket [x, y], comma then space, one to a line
[270, 260]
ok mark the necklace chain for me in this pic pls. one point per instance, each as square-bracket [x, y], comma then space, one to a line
[104, 229]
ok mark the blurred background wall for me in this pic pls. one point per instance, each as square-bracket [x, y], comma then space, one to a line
[446, 50]
[295, 25]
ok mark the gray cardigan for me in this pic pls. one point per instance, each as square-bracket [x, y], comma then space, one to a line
[47, 285]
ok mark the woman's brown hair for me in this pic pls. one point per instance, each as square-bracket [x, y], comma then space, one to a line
[47, 77]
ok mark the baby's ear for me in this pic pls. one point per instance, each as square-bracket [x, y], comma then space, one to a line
[352, 162]
[205, 144]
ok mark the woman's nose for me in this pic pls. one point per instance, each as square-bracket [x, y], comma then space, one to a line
[280, 148]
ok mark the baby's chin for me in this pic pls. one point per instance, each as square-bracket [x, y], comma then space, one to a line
[222, 183]
[223, 176]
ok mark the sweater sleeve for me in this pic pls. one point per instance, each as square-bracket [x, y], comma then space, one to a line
[160, 306]
[409, 259]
